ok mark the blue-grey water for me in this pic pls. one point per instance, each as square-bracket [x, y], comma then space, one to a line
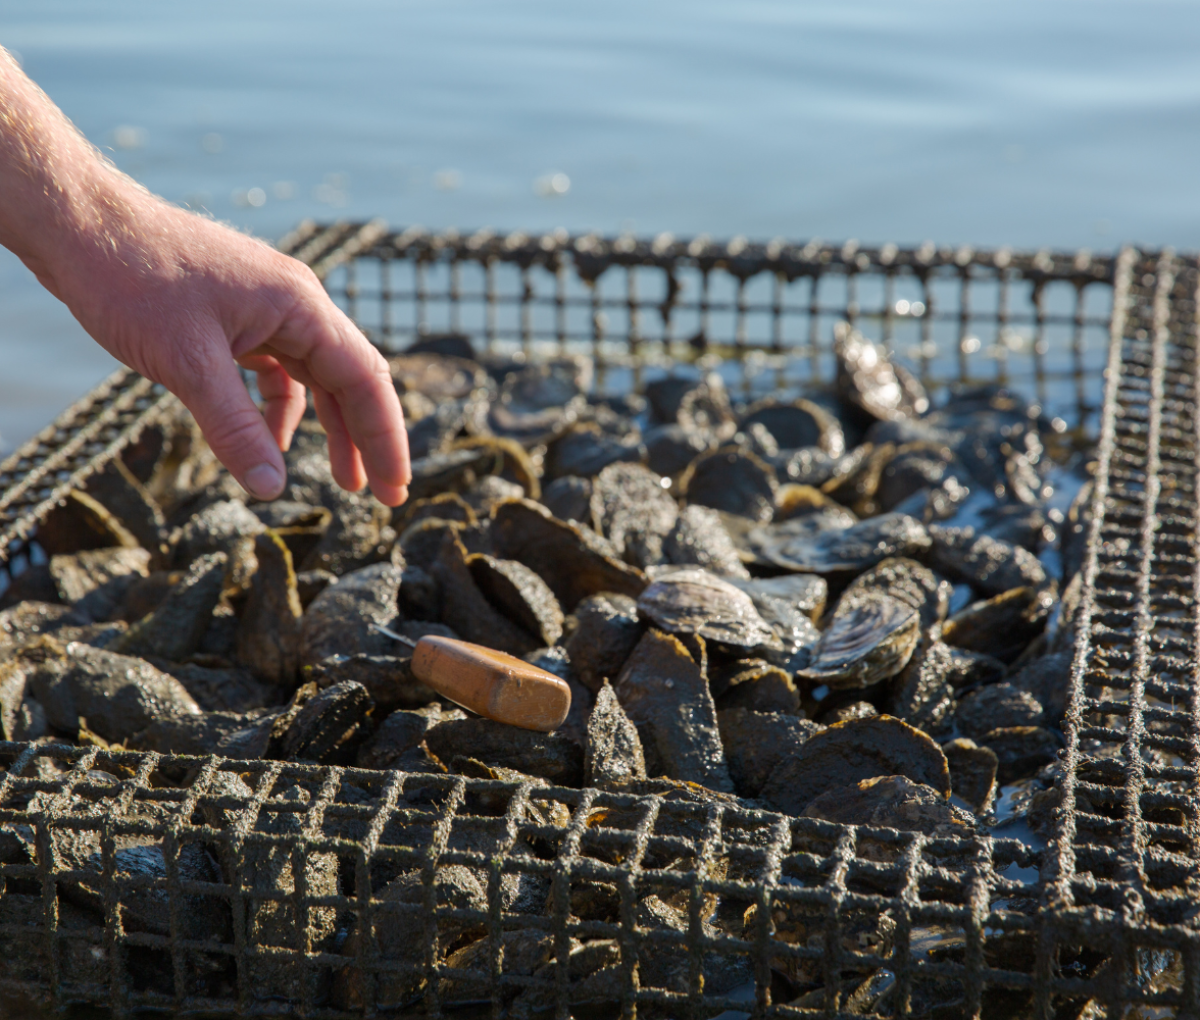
[1056, 122]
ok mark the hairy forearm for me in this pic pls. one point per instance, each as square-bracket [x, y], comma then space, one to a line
[61, 203]
[184, 300]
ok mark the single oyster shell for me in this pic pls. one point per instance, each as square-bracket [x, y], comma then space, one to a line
[867, 378]
[268, 640]
[614, 751]
[732, 480]
[870, 637]
[517, 592]
[909, 582]
[630, 508]
[894, 802]
[700, 538]
[117, 694]
[987, 564]
[795, 424]
[667, 698]
[757, 742]
[175, 630]
[338, 622]
[850, 751]
[691, 601]
[606, 633]
[571, 563]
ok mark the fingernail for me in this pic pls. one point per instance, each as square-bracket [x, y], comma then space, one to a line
[263, 482]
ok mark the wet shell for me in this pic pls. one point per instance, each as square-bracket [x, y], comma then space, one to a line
[569, 498]
[665, 695]
[757, 742]
[518, 593]
[339, 620]
[790, 547]
[123, 495]
[175, 630]
[606, 632]
[892, 802]
[467, 609]
[630, 507]
[972, 772]
[990, 566]
[700, 538]
[117, 694]
[268, 641]
[81, 522]
[867, 378]
[538, 403]
[690, 601]
[571, 564]
[870, 637]
[851, 751]
[437, 377]
[585, 450]
[803, 592]
[796, 424]
[909, 582]
[732, 480]
[614, 751]
[1002, 626]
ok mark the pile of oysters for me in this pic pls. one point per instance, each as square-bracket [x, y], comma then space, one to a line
[853, 606]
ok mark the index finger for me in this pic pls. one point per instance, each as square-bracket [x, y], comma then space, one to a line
[334, 356]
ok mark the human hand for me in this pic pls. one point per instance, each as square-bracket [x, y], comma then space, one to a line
[184, 300]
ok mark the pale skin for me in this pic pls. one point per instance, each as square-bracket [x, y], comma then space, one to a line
[185, 300]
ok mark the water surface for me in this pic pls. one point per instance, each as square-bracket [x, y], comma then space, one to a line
[1063, 123]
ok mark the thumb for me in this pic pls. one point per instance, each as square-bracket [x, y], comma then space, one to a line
[213, 390]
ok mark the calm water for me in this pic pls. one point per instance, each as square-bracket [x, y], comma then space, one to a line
[1049, 123]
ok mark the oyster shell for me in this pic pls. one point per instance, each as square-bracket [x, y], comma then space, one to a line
[691, 601]
[606, 632]
[797, 423]
[339, 620]
[467, 610]
[851, 751]
[870, 637]
[732, 480]
[573, 565]
[811, 545]
[868, 379]
[987, 564]
[268, 640]
[630, 507]
[757, 742]
[614, 751]
[176, 629]
[519, 594]
[972, 772]
[116, 694]
[893, 802]
[666, 697]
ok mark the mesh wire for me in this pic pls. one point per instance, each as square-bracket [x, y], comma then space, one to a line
[260, 893]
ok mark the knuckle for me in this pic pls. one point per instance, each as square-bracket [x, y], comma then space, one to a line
[234, 430]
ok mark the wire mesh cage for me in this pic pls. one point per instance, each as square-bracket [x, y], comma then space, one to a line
[204, 886]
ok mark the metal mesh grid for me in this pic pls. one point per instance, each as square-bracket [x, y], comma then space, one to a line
[1098, 924]
[761, 313]
[822, 878]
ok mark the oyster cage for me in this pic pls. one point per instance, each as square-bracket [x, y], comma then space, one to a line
[249, 888]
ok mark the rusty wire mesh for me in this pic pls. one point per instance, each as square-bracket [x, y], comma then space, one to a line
[1100, 923]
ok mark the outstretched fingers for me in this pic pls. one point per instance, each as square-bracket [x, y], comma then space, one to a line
[284, 398]
[354, 378]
